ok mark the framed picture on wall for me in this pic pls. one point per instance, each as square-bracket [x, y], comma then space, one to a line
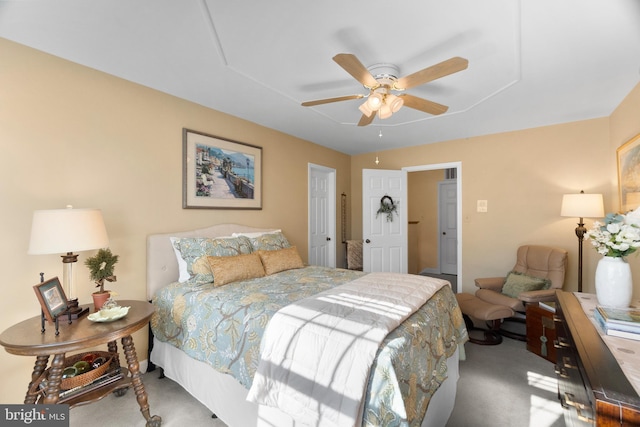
[628, 155]
[52, 298]
[220, 173]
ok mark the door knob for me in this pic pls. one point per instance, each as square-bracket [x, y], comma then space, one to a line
[367, 241]
[328, 239]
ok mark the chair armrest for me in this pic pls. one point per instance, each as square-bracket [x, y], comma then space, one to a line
[494, 283]
[537, 296]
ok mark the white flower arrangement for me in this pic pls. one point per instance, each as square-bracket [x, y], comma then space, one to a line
[618, 236]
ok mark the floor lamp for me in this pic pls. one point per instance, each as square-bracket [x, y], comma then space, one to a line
[582, 206]
[64, 231]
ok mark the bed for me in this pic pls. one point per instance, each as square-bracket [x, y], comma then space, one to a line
[213, 351]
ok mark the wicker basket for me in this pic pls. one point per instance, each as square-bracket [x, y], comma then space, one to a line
[89, 376]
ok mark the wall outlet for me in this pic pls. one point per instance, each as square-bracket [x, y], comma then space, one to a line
[482, 206]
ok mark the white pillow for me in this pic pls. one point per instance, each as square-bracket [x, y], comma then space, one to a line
[256, 234]
[182, 264]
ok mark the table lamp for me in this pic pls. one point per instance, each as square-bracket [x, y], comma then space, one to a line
[582, 206]
[66, 231]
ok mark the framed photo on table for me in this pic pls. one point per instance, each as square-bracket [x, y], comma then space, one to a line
[52, 298]
[220, 173]
[628, 155]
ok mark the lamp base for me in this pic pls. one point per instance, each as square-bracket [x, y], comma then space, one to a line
[75, 310]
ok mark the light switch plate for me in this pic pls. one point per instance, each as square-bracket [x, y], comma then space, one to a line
[482, 206]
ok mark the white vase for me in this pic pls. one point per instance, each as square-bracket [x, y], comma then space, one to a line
[614, 286]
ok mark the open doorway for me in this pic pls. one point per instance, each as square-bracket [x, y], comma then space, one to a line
[434, 230]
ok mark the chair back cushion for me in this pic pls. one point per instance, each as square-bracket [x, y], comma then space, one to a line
[542, 261]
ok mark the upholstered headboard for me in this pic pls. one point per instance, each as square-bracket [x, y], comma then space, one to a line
[162, 267]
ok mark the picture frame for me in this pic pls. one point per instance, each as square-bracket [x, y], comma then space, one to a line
[52, 298]
[220, 173]
[628, 159]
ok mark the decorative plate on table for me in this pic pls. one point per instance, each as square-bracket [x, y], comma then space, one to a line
[109, 314]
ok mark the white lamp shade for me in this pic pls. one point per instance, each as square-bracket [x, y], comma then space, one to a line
[582, 205]
[67, 230]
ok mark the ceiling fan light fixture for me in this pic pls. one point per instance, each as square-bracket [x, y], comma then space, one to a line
[385, 111]
[375, 101]
[364, 109]
[394, 102]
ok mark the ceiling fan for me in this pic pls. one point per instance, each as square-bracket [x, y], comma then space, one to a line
[381, 80]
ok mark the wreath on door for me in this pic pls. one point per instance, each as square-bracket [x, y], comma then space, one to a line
[387, 207]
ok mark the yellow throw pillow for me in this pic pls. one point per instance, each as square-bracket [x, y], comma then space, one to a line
[228, 269]
[280, 260]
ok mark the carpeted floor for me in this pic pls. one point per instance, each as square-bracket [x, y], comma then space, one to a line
[506, 385]
[499, 386]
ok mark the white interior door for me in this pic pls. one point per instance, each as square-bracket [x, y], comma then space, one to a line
[385, 242]
[448, 219]
[322, 216]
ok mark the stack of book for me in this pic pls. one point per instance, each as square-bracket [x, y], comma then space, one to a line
[619, 322]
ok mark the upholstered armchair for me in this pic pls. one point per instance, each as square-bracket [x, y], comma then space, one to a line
[538, 272]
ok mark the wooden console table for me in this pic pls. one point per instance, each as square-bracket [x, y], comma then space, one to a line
[25, 339]
[591, 385]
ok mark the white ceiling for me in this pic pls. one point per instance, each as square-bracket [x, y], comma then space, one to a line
[531, 62]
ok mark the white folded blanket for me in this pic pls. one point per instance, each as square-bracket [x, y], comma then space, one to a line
[317, 353]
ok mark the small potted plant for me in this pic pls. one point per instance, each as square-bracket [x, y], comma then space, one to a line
[101, 267]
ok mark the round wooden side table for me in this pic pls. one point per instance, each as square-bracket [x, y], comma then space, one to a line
[25, 339]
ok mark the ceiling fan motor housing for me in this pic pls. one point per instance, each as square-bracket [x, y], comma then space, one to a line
[385, 74]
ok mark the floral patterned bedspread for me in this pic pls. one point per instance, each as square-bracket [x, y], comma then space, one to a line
[222, 326]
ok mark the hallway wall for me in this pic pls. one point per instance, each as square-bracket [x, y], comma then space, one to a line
[422, 189]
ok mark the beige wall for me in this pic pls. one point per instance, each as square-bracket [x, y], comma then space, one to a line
[72, 135]
[523, 175]
[422, 190]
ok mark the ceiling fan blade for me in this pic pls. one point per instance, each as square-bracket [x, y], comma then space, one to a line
[353, 66]
[421, 104]
[434, 72]
[366, 120]
[328, 100]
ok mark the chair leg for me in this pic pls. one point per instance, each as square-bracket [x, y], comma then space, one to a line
[491, 336]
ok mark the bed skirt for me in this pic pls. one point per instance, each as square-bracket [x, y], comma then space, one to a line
[226, 398]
